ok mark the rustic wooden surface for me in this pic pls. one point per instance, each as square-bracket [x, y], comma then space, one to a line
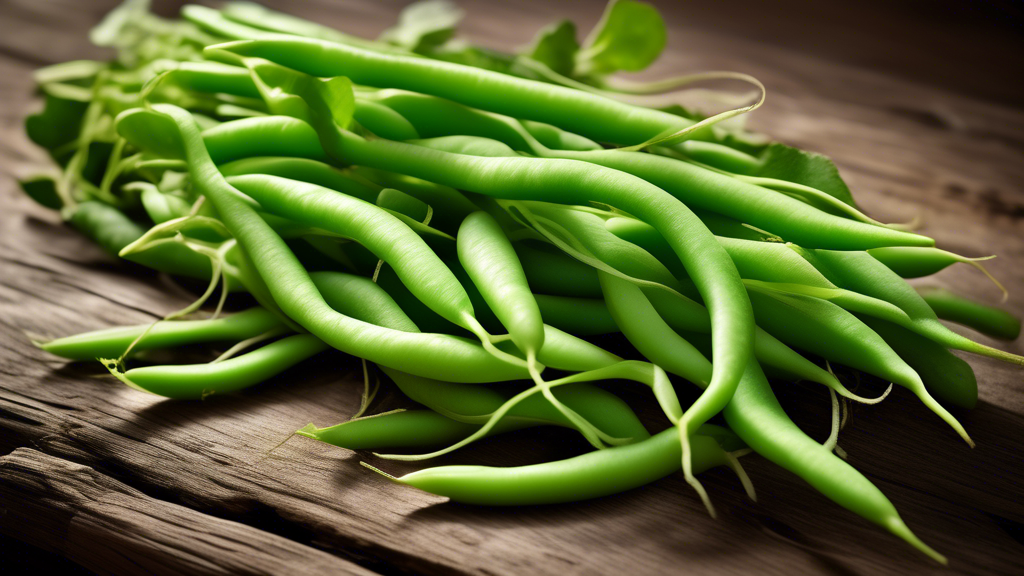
[168, 484]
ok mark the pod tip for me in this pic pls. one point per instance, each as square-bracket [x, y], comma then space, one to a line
[896, 525]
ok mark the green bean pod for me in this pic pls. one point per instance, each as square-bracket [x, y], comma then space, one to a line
[474, 405]
[112, 342]
[405, 429]
[988, 320]
[874, 286]
[197, 381]
[756, 416]
[823, 328]
[383, 121]
[552, 272]
[398, 201]
[491, 262]
[791, 219]
[917, 261]
[383, 234]
[105, 225]
[443, 357]
[591, 475]
[305, 170]
[947, 377]
[595, 117]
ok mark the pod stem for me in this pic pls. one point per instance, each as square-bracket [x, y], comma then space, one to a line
[684, 442]
[737, 468]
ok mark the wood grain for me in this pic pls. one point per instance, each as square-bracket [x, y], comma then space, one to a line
[905, 148]
[111, 528]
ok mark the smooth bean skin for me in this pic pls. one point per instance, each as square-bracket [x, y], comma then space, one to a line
[162, 207]
[863, 274]
[398, 201]
[196, 381]
[590, 475]
[719, 156]
[827, 330]
[112, 342]
[793, 220]
[915, 262]
[580, 183]
[407, 429]
[262, 136]
[383, 234]
[433, 355]
[988, 320]
[113, 231]
[555, 138]
[105, 225]
[361, 298]
[474, 404]
[450, 206]
[383, 121]
[767, 261]
[596, 117]
[305, 170]
[755, 415]
[946, 376]
[488, 257]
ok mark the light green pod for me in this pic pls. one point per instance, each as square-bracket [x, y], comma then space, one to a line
[491, 262]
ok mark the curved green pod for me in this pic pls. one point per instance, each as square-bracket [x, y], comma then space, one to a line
[305, 170]
[491, 262]
[590, 475]
[197, 381]
[946, 376]
[405, 429]
[383, 121]
[791, 219]
[988, 320]
[434, 355]
[386, 236]
[596, 117]
[112, 342]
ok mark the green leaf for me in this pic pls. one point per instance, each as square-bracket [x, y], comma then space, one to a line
[310, 99]
[58, 123]
[42, 189]
[630, 36]
[424, 25]
[808, 168]
[555, 46]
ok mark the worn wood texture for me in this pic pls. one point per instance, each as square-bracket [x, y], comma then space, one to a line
[113, 528]
[905, 148]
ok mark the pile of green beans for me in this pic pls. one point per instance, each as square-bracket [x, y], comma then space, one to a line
[453, 225]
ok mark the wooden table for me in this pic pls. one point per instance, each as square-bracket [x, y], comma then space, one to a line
[121, 482]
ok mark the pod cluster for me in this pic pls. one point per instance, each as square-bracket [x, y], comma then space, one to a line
[455, 216]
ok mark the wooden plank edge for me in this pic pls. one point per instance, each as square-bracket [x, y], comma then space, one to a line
[107, 526]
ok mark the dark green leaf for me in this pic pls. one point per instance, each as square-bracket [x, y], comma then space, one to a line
[807, 168]
[42, 189]
[555, 46]
[58, 123]
[630, 36]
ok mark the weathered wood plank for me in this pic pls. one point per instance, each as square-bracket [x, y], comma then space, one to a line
[904, 148]
[112, 528]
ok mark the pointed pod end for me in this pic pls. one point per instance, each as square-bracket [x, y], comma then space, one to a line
[114, 366]
[896, 525]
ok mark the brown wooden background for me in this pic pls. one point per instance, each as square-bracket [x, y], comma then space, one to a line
[919, 103]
